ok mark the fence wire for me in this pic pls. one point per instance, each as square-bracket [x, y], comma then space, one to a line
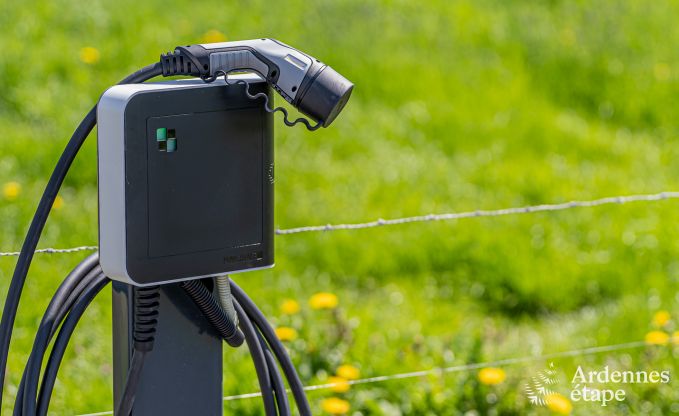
[53, 251]
[484, 213]
[432, 217]
[439, 371]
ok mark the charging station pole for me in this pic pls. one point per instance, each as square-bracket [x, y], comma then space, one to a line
[183, 374]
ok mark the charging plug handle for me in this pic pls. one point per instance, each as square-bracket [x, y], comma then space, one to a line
[311, 86]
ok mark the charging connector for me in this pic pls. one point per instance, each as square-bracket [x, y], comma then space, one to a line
[311, 86]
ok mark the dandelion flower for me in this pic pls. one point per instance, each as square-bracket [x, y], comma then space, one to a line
[661, 318]
[58, 202]
[492, 376]
[324, 300]
[657, 338]
[348, 372]
[339, 384]
[335, 406]
[557, 403]
[285, 333]
[290, 307]
[89, 55]
[11, 190]
[213, 36]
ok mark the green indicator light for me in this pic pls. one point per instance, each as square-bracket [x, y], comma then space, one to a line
[161, 134]
[171, 145]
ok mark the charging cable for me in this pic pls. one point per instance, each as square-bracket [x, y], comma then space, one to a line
[224, 290]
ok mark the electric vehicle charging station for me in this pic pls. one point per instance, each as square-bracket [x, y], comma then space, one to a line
[186, 176]
[193, 198]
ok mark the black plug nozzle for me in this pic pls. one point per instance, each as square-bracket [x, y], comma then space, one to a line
[326, 96]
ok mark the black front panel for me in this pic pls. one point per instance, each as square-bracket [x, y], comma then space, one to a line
[217, 203]
[199, 196]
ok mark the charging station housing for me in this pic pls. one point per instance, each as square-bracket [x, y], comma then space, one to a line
[186, 178]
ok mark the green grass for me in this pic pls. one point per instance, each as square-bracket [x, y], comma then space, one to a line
[457, 106]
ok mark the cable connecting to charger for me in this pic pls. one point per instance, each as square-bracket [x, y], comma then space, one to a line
[263, 344]
[225, 325]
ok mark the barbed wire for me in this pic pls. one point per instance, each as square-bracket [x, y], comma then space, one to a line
[54, 250]
[465, 367]
[484, 213]
[454, 369]
[531, 209]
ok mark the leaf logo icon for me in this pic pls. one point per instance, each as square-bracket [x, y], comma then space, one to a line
[537, 391]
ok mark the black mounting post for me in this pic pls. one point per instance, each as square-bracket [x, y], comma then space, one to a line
[182, 375]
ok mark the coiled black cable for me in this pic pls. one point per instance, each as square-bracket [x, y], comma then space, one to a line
[271, 382]
[40, 218]
[56, 356]
[58, 307]
[214, 313]
[253, 313]
[259, 360]
[276, 379]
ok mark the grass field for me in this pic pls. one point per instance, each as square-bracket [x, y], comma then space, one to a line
[458, 106]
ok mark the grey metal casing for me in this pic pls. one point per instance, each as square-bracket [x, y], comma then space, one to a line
[292, 64]
[133, 249]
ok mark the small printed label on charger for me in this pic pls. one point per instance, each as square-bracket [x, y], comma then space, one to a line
[254, 255]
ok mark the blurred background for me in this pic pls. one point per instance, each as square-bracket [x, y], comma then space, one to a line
[458, 105]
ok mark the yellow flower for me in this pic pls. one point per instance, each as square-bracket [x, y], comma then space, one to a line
[11, 190]
[58, 202]
[661, 318]
[662, 71]
[213, 36]
[335, 406]
[285, 333]
[559, 404]
[675, 337]
[339, 384]
[492, 376]
[348, 371]
[289, 307]
[657, 338]
[323, 300]
[89, 55]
